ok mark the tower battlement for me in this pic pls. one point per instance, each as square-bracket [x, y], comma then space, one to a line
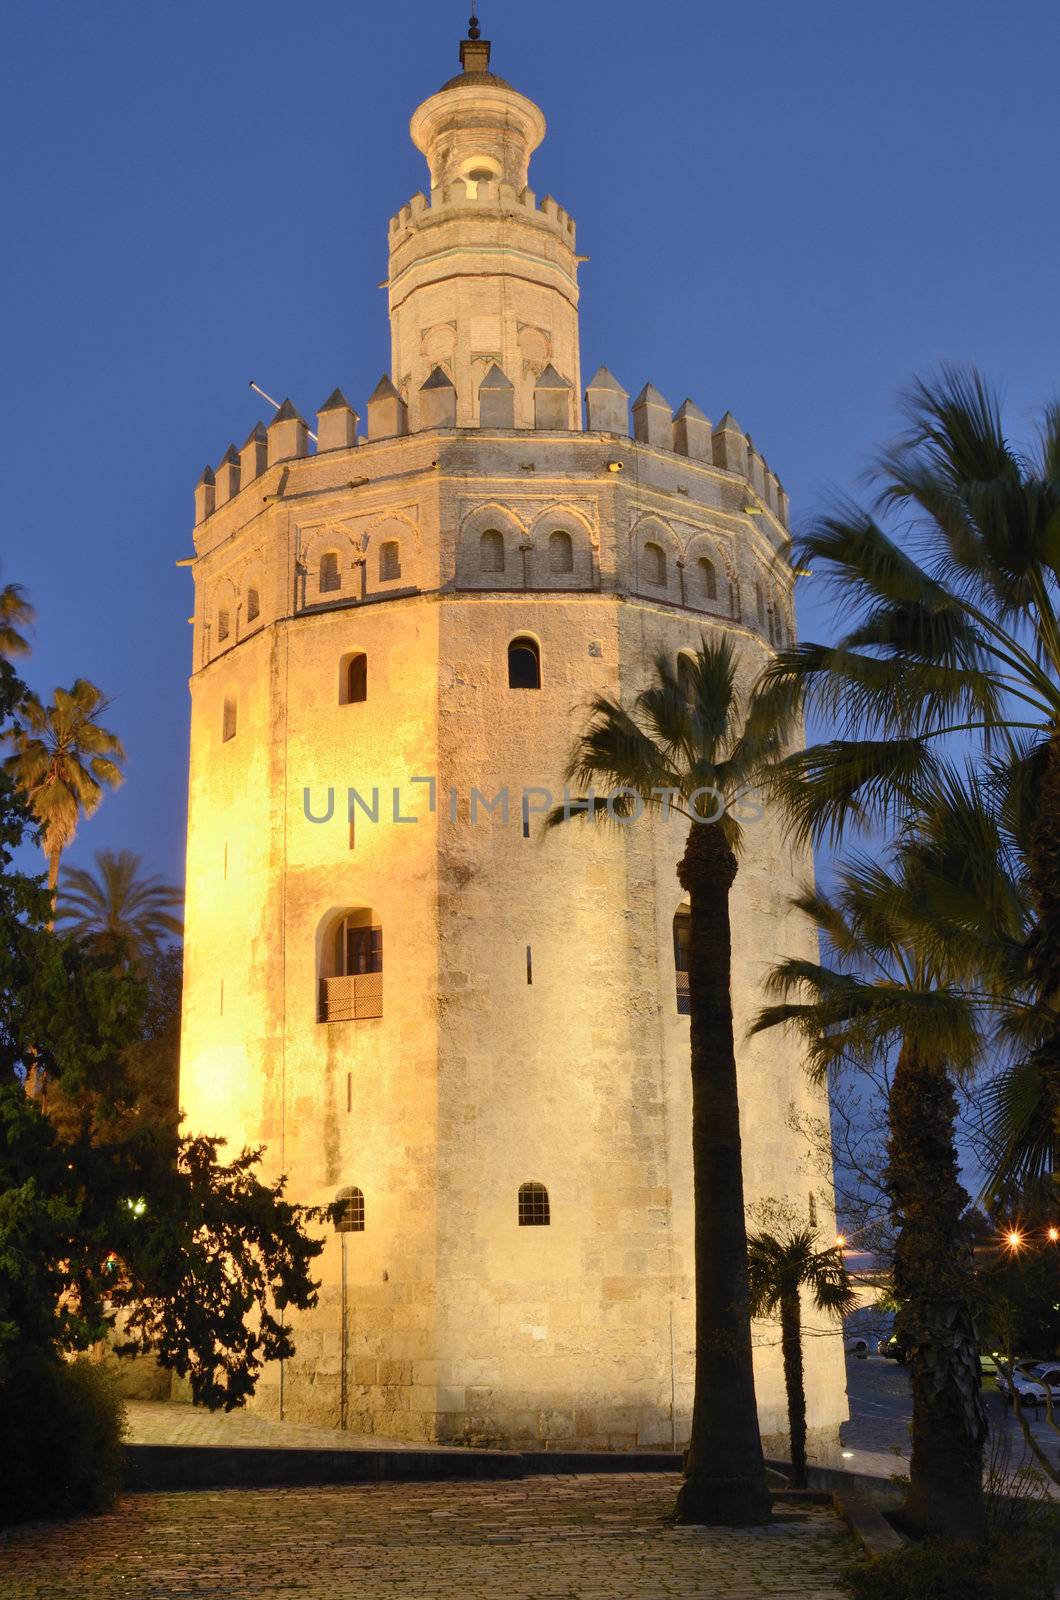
[464, 195]
[688, 433]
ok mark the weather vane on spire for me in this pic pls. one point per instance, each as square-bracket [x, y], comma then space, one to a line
[473, 29]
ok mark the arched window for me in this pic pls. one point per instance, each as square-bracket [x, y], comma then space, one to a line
[353, 679]
[228, 718]
[351, 969]
[491, 551]
[349, 1211]
[524, 664]
[655, 565]
[708, 579]
[560, 552]
[253, 605]
[774, 626]
[330, 578]
[682, 932]
[223, 625]
[533, 1206]
[389, 560]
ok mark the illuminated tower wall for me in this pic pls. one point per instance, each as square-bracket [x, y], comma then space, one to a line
[434, 1014]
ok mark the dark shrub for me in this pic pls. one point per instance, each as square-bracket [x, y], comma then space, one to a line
[943, 1570]
[61, 1426]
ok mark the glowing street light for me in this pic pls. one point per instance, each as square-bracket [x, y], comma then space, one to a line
[1054, 1235]
[840, 1241]
[1014, 1238]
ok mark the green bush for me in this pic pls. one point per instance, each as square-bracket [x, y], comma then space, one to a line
[1009, 1569]
[61, 1427]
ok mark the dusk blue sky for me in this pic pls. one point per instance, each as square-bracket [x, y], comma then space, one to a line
[789, 211]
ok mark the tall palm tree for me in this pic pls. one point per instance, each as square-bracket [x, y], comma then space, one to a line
[684, 747]
[15, 613]
[115, 905]
[781, 1266]
[63, 761]
[955, 630]
[886, 991]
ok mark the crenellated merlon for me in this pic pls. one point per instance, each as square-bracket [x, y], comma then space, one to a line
[465, 194]
[687, 433]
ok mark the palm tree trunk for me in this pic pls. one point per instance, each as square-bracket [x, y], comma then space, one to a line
[1044, 866]
[36, 1080]
[934, 1286]
[791, 1344]
[725, 1478]
[54, 857]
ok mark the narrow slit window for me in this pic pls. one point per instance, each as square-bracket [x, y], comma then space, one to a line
[228, 718]
[686, 679]
[353, 686]
[529, 964]
[253, 605]
[534, 1211]
[349, 1211]
[524, 664]
[224, 626]
[682, 936]
[708, 579]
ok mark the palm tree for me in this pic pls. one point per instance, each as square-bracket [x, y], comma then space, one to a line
[63, 762]
[685, 739]
[780, 1266]
[116, 906]
[887, 990]
[955, 631]
[15, 613]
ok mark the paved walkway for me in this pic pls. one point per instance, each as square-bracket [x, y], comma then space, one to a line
[595, 1538]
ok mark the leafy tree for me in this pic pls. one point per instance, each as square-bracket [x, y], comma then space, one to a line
[782, 1266]
[1017, 1261]
[108, 1211]
[953, 631]
[63, 761]
[117, 905]
[883, 991]
[683, 747]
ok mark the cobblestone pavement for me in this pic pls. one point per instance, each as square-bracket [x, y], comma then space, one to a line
[586, 1538]
[164, 1422]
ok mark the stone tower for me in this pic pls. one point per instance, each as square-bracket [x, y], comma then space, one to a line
[476, 1035]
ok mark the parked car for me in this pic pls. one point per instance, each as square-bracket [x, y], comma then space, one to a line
[856, 1347]
[1029, 1380]
[892, 1349]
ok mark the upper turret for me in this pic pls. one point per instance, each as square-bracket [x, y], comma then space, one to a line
[477, 127]
[480, 275]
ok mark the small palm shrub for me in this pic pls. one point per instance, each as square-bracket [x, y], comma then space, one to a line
[61, 1428]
